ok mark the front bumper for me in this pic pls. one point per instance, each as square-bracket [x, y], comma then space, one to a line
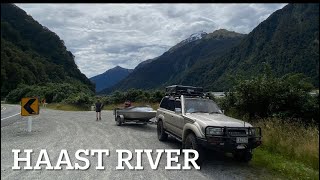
[228, 143]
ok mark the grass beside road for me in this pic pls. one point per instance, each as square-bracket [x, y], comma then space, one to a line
[67, 107]
[70, 107]
[288, 149]
[281, 166]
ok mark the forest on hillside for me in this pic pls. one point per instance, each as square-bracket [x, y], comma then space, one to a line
[31, 54]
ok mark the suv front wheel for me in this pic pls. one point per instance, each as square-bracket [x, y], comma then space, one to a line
[162, 135]
[191, 143]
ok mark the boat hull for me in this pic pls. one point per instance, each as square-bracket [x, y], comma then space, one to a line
[136, 113]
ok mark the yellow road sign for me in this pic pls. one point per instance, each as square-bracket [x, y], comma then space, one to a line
[29, 106]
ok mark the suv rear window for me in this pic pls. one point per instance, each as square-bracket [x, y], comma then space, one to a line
[170, 104]
[164, 103]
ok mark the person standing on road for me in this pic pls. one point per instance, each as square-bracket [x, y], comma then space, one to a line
[127, 104]
[44, 104]
[99, 106]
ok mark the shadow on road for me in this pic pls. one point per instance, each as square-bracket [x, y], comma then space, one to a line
[140, 127]
[212, 157]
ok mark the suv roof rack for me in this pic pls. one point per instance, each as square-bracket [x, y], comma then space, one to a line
[177, 90]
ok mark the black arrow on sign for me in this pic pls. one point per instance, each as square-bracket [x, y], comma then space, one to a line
[27, 106]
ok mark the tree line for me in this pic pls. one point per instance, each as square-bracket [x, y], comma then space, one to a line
[266, 95]
[258, 97]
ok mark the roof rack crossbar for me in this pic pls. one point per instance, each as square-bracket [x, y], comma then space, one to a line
[178, 90]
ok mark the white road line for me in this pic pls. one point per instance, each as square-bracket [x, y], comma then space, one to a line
[3, 108]
[9, 116]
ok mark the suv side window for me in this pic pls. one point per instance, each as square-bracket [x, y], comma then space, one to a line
[164, 103]
[177, 104]
[171, 105]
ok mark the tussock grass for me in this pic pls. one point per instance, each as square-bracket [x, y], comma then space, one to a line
[289, 147]
[70, 107]
[67, 107]
[282, 167]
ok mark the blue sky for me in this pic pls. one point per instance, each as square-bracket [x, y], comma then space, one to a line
[102, 36]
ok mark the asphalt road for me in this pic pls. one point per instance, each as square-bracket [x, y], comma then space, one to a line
[56, 130]
[9, 114]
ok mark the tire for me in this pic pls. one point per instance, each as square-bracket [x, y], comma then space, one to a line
[162, 135]
[118, 121]
[191, 143]
[243, 156]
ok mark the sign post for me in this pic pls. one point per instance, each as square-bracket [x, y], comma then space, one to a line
[29, 107]
[29, 126]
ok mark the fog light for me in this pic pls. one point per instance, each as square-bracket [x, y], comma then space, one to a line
[214, 140]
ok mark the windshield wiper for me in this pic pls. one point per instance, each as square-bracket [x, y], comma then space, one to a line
[199, 112]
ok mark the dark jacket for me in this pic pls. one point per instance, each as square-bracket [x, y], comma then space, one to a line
[98, 106]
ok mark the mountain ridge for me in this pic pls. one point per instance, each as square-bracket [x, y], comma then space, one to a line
[288, 40]
[174, 62]
[110, 77]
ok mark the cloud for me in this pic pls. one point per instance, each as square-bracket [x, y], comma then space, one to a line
[102, 36]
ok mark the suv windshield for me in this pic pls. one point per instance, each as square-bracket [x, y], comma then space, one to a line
[193, 105]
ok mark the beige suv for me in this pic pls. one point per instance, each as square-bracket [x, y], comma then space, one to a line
[195, 120]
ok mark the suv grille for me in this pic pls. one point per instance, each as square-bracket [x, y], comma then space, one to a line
[237, 132]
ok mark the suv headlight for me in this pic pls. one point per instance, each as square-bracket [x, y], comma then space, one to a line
[254, 131]
[214, 131]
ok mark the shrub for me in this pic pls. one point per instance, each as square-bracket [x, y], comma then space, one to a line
[80, 98]
[17, 94]
[268, 96]
[52, 92]
[156, 96]
[133, 95]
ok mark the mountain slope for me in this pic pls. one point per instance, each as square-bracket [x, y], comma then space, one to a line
[110, 77]
[288, 40]
[177, 60]
[32, 54]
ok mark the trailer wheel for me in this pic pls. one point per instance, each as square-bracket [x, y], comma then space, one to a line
[118, 121]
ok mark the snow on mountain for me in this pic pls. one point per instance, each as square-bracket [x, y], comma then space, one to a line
[195, 36]
[191, 38]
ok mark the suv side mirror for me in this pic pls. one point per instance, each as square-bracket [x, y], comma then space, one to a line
[177, 110]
